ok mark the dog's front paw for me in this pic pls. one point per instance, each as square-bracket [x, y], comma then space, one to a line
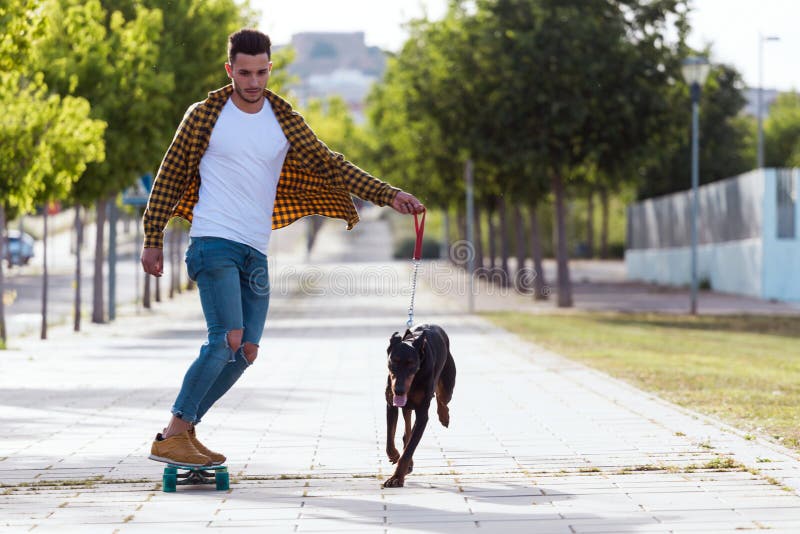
[393, 455]
[394, 482]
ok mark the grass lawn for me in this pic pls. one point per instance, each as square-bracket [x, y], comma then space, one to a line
[742, 369]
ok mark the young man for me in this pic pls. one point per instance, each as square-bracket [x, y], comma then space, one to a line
[241, 164]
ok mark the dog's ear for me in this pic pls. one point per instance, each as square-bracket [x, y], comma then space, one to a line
[394, 340]
[408, 334]
[421, 343]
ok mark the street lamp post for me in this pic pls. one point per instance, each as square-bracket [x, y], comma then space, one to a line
[695, 71]
[760, 112]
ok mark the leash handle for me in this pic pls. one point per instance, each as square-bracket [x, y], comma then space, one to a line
[419, 227]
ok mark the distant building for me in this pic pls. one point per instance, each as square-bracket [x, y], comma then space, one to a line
[335, 64]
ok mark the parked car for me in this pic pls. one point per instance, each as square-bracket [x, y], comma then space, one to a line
[18, 248]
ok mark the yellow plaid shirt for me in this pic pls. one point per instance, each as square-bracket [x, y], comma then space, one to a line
[314, 180]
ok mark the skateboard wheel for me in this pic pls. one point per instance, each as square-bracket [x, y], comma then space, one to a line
[170, 482]
[222, 479]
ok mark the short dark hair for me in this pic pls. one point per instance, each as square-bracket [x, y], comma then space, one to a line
[250, 42]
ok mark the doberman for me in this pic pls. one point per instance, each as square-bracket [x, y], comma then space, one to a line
[420, 365]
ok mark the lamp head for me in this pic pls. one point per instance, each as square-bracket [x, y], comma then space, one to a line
[695, 70]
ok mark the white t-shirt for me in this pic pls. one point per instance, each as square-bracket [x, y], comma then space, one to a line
[239, 175]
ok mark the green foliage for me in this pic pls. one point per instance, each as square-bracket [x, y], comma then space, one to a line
[280, 78]
[782, 132]
[332, 122]
[727, 145]
[527, 89]
[413, 115]
[91, 51]
[19, 23]
[194, 50]
[578, 85]
[46, 141]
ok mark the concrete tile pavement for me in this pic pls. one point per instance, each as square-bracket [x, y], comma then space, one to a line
[537, 443]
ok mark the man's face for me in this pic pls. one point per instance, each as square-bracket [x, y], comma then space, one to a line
[249, 75]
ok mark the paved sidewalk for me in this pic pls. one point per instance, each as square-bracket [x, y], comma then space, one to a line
[537, 443]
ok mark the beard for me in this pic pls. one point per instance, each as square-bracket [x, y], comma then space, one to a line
[250, 99]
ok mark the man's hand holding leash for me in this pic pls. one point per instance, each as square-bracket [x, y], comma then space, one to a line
[406, 203]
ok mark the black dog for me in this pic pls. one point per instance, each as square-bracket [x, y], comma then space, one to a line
[420, 365]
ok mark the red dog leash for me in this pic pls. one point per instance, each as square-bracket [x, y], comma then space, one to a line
[419, 228]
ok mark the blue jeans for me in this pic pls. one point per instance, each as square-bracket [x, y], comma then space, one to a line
[233, 282]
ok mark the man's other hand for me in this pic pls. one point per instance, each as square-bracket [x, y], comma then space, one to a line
[153, 261]
[406, 203]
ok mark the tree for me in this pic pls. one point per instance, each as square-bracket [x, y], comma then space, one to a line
[417, 118]
[91, 49]
[193, 51]
[782, 132]
[573, 84]
[68, 141]
[46, 141]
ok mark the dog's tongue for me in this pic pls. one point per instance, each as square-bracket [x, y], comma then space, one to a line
[399, 400]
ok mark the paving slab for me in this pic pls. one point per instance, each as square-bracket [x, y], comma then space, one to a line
[537, 443]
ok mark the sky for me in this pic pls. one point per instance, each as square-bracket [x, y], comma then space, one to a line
[732, 27]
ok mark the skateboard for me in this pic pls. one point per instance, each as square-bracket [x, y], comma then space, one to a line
[180, 475]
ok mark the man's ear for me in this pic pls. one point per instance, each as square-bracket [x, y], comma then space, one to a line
[394, 340]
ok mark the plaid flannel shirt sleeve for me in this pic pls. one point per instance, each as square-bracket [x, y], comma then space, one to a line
[169, 184]
[362, 184]
[357, 181]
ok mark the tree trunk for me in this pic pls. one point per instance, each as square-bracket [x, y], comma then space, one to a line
[112, 257]
[98, 313]
[444, 249]
[461, 234]
[78, 246]
[172, 246]
[505, 248]
[562, 256]
[157, 284]
[590, 225]
[521, 281]
[146, 292]
[604, 223]
[540, 290]
[45, 218]
[478, 238]
[178, 267]
[491, 237]
[3, 337]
